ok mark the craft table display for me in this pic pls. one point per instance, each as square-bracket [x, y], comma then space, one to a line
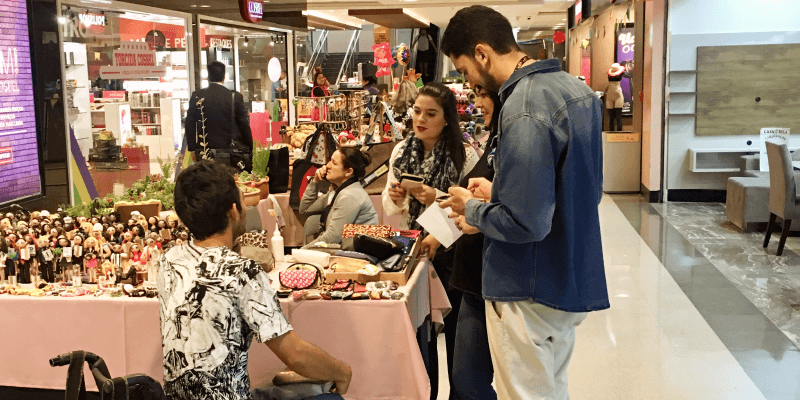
[292, 224]
[377, 338]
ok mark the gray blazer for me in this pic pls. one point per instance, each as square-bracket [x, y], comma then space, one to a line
[352, 206]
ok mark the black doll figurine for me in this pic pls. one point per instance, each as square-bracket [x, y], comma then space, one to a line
[44, 256]
[64, 263]
[24, 264]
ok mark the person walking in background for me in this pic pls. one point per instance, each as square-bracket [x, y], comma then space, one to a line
[543, 265]
[212, 123]
[279, 87]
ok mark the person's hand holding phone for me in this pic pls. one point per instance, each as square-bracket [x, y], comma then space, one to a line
[458, 199]
[425, 194]
[319, 176]
[396, 192]
[481, 188]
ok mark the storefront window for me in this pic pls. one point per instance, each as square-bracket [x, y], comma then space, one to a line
[127, 89]
[248, 54]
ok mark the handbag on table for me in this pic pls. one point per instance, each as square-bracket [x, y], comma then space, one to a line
[301, 276]
[350, 230]
[303, 169]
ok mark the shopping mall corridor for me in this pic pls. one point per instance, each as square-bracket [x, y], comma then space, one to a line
[678, 328]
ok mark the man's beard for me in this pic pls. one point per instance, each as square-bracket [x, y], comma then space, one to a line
[239, 226]
[487, 80]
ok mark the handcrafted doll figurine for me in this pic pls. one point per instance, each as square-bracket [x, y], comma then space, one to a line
[77, 253]
[44, 256]
[64, 264]
[138, 233]
[118, 257]
[30, 245]
[152, 224]
[91, 251]
[151, 255]
[109, 272]
[4, 272]
[135, 255]
[69, 224]
[24, 263]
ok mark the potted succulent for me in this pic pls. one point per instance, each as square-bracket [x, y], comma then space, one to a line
[258, 179]
[251, 195]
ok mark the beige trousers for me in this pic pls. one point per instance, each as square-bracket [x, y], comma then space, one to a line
[531, 346]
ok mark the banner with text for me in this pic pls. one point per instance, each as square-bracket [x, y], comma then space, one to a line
[133, 60]
[19, 157]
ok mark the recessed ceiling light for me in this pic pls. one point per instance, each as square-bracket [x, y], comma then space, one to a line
[194, 5]
[205, 6]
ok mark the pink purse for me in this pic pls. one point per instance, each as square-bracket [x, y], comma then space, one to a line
[300, 276]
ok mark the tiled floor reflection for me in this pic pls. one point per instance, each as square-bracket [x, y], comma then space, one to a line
[743, 292]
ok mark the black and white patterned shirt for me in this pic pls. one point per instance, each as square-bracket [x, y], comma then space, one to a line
[212, 303]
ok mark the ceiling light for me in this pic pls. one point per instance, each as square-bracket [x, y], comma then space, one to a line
[62, 20]
[204, 6]
[245, 41]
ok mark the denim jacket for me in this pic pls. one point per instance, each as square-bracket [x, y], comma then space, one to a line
[542, 226]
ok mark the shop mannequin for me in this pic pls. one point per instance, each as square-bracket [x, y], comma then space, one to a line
[614, 97]
[44, 256]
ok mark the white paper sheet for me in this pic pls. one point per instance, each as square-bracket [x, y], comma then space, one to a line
[436, 222]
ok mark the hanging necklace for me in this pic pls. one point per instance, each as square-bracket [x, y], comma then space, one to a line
[522, 61]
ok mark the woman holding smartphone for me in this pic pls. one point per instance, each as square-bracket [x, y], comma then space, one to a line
[347, 202]
[436, 153]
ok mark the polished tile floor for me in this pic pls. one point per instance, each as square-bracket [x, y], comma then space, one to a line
[679, 326]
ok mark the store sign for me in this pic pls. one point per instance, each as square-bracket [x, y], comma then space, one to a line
[778, 135]
[251, 10]
[92, 19]
[132, 61]
[624, 56]
[578, 11]
[19, 157]
[114, 94]
[220, 42]
[156, 40]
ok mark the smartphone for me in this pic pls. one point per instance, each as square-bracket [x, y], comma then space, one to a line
[410, 182]
[410, 177]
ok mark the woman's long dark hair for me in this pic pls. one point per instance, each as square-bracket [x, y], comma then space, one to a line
[496, 107]
[451, 133]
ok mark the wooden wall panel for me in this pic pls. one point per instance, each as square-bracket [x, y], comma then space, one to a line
[730, 78]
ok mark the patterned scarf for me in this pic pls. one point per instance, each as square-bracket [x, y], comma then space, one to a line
[438, 170]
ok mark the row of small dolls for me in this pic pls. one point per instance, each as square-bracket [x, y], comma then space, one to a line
[63, 258]
[105, 228]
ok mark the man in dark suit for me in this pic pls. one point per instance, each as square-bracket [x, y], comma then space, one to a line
[212, 121]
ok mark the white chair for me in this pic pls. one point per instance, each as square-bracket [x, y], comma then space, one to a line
[783, 200]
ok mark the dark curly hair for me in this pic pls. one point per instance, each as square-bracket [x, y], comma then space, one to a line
[204, 193]
[477, 24]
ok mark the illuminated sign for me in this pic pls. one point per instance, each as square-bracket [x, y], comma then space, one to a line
[252, 11]
[90, 19]
[19, 157]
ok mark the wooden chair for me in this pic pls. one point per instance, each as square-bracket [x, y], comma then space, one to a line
[783, 200]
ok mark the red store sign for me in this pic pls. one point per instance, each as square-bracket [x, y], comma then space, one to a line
[251, 10]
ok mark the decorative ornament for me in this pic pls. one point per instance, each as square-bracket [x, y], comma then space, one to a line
[383, 59]
[559, 37]
[403, 54]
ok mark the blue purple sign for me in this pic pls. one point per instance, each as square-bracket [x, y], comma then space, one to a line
[19, 157]
[624, 57]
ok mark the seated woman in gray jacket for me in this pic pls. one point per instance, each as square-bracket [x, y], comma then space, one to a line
[345, 203]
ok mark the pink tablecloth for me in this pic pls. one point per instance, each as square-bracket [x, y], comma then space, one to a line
[377, 338]
[293, 229]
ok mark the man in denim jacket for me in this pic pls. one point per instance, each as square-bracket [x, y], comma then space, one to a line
[543, 259]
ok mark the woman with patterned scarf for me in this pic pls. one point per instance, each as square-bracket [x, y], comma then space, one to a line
[437, 152]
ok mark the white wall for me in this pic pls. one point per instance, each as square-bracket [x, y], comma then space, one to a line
[716, 23]
[733, 16]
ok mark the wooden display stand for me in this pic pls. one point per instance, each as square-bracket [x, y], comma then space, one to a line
[150, 208]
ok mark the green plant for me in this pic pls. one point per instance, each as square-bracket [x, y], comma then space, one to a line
[245, 177]
[247, 189]
[260, 161]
